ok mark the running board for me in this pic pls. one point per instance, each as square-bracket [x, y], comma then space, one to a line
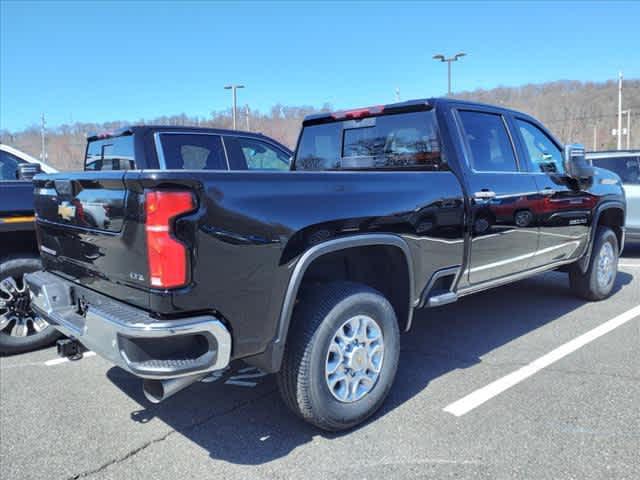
[442, 299]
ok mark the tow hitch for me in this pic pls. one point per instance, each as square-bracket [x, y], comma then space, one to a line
[70, 348]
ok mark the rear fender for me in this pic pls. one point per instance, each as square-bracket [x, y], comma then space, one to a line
[315, 252]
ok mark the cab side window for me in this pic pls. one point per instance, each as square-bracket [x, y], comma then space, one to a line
[252, 154]
[261, 156]
[488, 139]
[186, 151]
[544, 155]
[8, 166]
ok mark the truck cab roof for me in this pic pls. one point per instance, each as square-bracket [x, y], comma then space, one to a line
[406, 106]
[144, 129]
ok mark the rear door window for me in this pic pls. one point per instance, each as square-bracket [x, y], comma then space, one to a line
[186, 151]
[394, 141]
[627, 168]
[488, 139]
[110, 154]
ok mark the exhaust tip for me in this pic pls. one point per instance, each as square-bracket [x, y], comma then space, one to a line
[153, 390]
[157, 391]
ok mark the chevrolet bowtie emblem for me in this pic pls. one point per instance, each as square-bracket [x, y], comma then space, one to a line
[66, 210]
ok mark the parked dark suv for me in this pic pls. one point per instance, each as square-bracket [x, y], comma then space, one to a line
[184, 148]
[136, 148]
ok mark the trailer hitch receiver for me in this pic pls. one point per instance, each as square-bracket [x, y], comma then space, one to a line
[70, 348]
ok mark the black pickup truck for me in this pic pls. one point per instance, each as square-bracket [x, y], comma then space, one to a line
[314, 272]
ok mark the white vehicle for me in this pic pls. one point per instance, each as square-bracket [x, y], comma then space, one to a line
[626, 163]
[25, 157]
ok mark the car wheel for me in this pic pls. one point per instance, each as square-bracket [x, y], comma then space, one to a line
[341, 355]
[523, 218]
[21, 329]
[598, 281]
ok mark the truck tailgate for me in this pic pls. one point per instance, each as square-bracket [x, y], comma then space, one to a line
[83, 234]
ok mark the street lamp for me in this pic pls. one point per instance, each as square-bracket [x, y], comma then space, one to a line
[455, 58]
[233, 88]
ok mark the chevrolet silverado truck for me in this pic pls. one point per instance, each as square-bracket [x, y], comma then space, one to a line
[20, 328]
[313, 273]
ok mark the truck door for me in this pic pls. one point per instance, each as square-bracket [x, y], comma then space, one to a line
[563, 211]
[504, 234]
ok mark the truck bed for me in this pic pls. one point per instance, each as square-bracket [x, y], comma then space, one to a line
[244, 237]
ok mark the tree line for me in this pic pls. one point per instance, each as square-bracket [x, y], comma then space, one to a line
[583, 112]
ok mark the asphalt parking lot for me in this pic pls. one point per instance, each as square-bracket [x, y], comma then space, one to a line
[495, 386]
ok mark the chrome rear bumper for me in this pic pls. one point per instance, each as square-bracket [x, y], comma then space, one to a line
[127, 336]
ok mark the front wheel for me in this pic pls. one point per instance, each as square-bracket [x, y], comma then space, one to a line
[341, 355]
[598, 281]
[21, 330]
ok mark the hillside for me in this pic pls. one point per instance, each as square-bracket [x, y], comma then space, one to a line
[572, 110]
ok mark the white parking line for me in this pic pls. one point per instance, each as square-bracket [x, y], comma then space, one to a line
[629, 265]
[58, 361]
[480, 396]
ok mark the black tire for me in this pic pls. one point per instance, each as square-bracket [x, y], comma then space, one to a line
[320, 313]
[586, 285]
[9, 344]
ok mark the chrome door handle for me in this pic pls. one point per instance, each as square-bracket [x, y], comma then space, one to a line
[548, 191]
[484, 195]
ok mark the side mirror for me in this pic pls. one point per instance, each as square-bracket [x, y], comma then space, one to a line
[575, 163]
[26, 171]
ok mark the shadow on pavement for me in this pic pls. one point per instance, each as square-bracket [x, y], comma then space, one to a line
[251, 426]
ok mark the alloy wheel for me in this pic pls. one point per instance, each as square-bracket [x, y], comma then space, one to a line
[354, 359]
[17, 318]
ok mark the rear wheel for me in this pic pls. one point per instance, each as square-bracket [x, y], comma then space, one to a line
[341, 355]
[598, 281]
[21, 329]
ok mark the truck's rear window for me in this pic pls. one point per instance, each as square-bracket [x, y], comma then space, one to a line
[114, 153]
[403, 140]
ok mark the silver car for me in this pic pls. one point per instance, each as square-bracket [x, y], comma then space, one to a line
[626, 163]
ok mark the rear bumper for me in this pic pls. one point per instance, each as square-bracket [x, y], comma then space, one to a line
[130, 337]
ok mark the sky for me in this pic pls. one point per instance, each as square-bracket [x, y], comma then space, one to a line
[100, 61]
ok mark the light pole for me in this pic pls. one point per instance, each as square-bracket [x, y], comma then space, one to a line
[628, 114]
[43, 153]
[455, 58]
[620, 111]
[233, 89]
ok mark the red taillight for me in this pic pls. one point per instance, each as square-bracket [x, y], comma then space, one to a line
[167, 256]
